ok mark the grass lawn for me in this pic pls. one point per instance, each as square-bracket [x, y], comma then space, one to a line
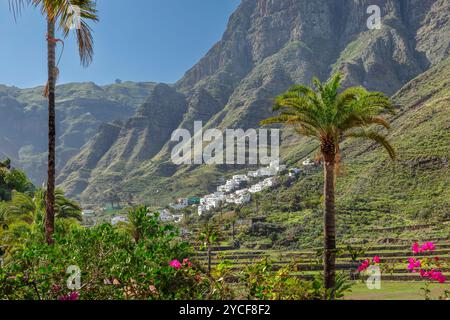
[393, 290]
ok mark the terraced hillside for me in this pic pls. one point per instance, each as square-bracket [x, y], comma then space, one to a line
[309, 261]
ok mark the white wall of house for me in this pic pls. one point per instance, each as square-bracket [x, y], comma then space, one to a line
[116, 220]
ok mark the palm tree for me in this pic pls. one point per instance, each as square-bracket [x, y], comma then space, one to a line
[137, 224]
[24, 215]
[330, 116]
[256, 199]
[207, 237]
[61, 13]
[31, 209]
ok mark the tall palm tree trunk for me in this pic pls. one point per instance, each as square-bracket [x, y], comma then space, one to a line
[50, 203]
[233, 231]
[329, 223]
[209, 258]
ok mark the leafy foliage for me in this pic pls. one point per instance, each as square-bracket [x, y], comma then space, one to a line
[12, 179]
[22, 215]
[262, 284]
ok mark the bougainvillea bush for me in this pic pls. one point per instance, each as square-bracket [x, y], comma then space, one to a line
[422, 262]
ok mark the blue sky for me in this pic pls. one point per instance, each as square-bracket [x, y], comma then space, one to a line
[146, 40]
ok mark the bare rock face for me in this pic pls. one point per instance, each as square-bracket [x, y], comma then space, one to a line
[433, 35]
[268, 46]
[145, 133]
[77, 172]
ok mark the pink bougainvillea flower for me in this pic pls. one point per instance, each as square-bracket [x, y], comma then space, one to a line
[376, 259]
[175, 264]
[413, 264]
[187, 262]
[437, 275]
[70, 297]
[364, 265]
[423, 273]
[416, 248]
[433, 275]
[428, 246]
[441, 278]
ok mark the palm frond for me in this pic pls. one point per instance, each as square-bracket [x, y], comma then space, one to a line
[20, 208]
[85, 44]
[16, 7]
[64, 12]
[374, 136]
[354, 121]
[349, 95]
[67, 16]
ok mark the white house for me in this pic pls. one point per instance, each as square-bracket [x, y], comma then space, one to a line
[276, 166]
[165, 215]
[245, 198]
[308, 163]
[116, 220]
[88, 213]
[239, 178]
[252, 174]
[230, 186]
[266, 172]
[219, 195]
[213, 202]
[181, 204]
[274, 163]
[230, 198]
[269, 182]
[256, 188]
[201, 209]
[222, 188]
[177, 218]
[241, 192]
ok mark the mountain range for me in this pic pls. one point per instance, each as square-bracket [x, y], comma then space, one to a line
[118, 137]
[81, 109]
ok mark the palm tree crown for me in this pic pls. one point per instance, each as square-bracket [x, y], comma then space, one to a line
[63, 14]
[329, 116]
